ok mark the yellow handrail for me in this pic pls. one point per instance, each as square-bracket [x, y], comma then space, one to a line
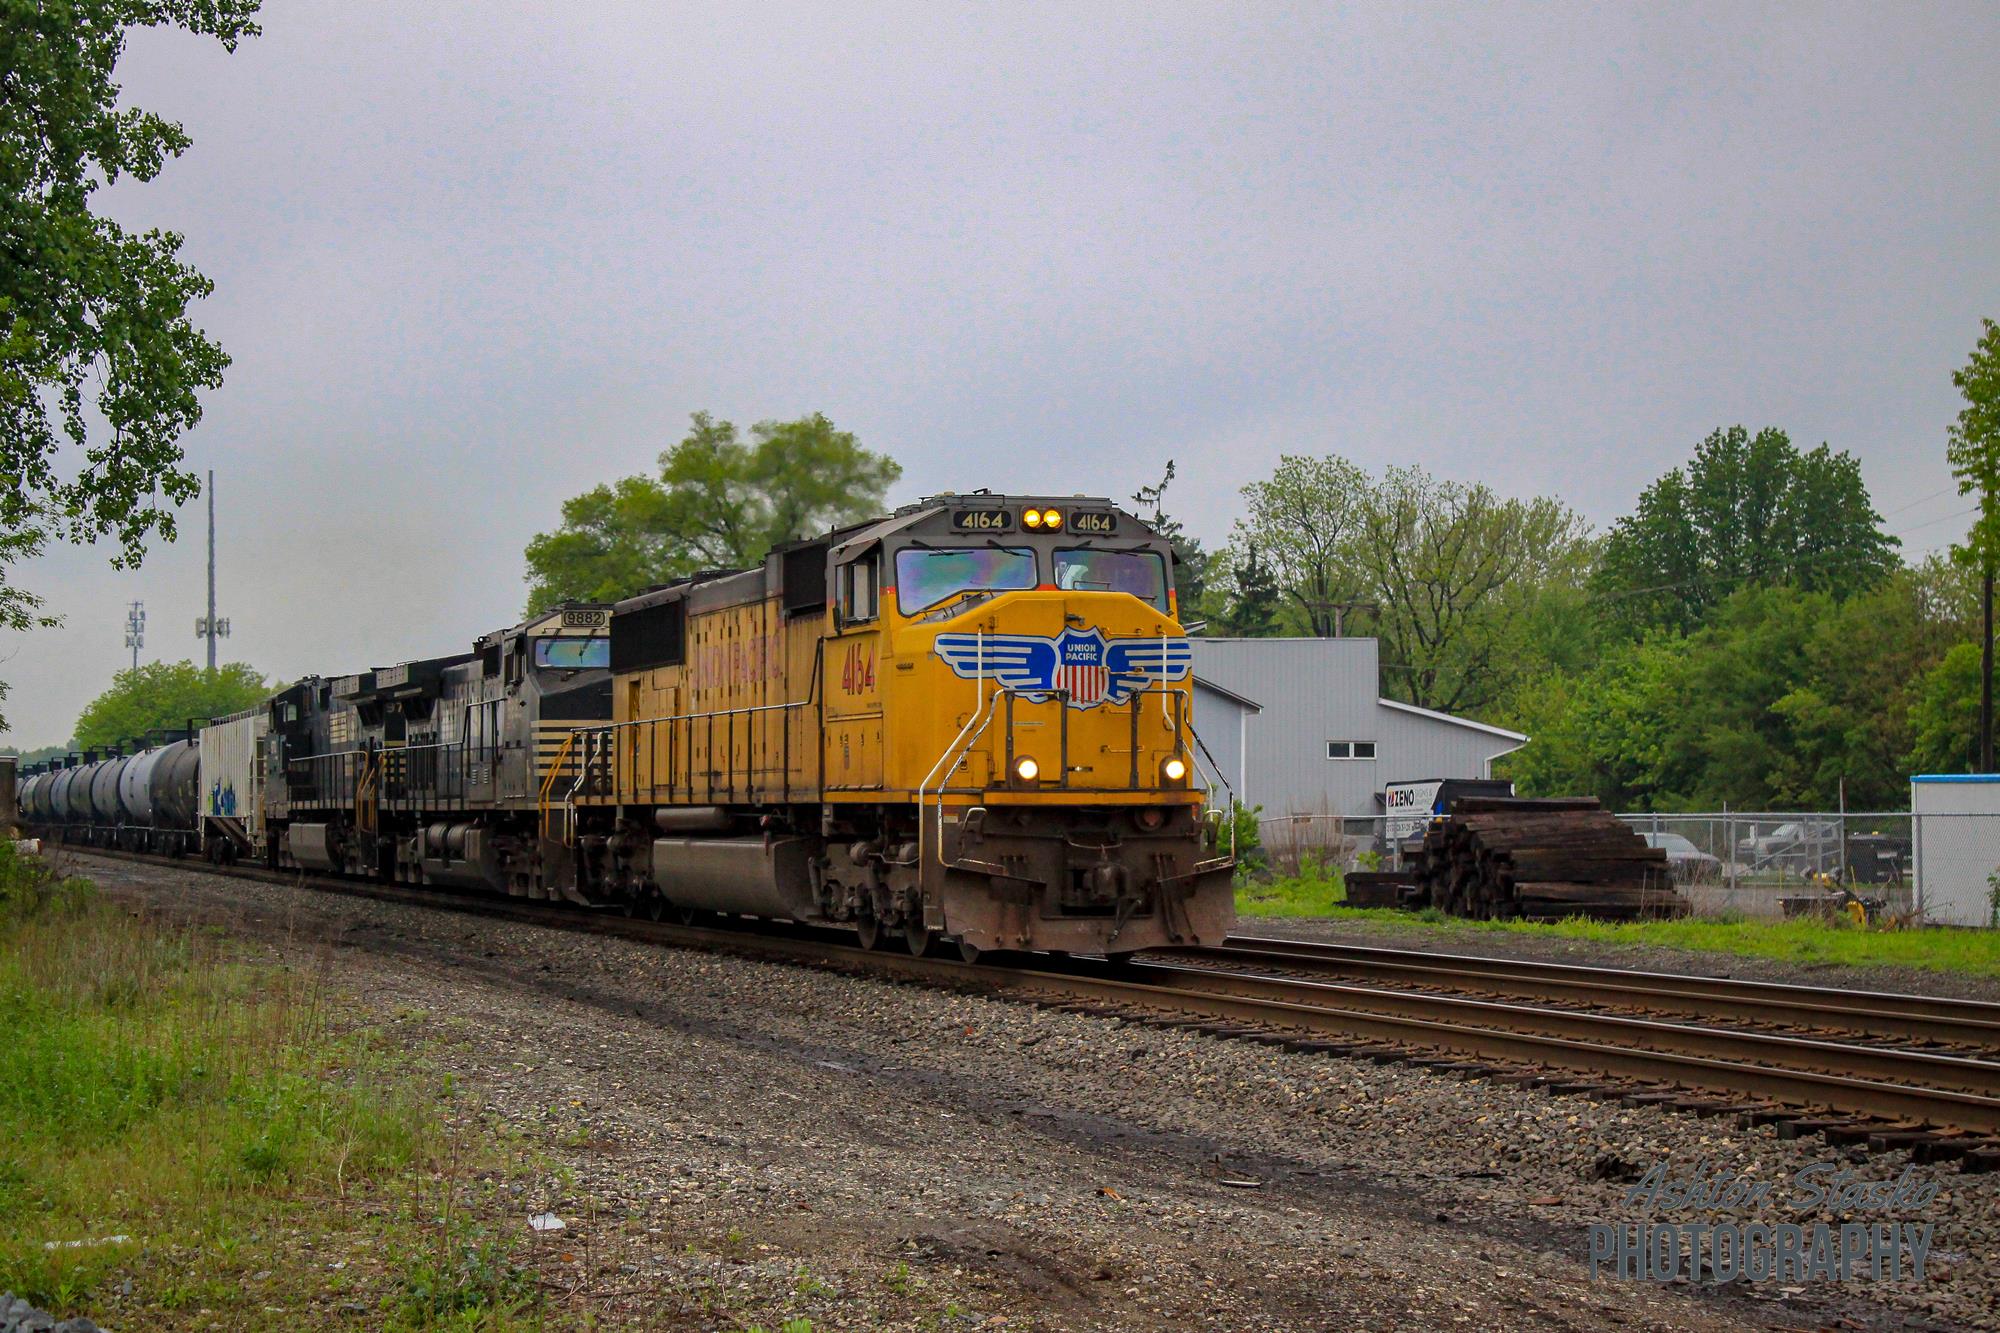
[367, 799]
[549, 782]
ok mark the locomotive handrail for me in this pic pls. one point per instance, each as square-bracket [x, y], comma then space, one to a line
[549, 781]
[1227, 790]
[955, 752]
[411, 776]
[604, 731]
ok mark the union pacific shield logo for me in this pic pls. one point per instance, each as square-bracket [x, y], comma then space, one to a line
[1090, 668]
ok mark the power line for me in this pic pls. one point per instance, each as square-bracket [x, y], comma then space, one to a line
[1935, 521]
[1914, 503]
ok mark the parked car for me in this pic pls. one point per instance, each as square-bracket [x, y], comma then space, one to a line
[1688, 863]
[1795, 847]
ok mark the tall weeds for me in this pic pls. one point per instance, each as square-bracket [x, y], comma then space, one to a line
[156, 1086]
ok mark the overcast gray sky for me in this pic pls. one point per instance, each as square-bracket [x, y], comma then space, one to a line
[471, 259]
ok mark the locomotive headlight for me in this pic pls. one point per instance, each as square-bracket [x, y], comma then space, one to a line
[1052, 519]
[1026, 769]
[1031, 518]
[1175, 769]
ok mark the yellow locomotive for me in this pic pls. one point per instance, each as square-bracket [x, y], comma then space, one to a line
[966, 723]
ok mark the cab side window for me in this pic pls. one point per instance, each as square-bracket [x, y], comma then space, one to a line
[859, 581]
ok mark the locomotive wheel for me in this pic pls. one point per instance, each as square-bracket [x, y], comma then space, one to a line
[686, 916]
[968, 952]
[919, 940]
[656, 907]
[869, 930]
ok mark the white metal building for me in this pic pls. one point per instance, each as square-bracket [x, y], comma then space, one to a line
[1956, 836]
[1300, 727]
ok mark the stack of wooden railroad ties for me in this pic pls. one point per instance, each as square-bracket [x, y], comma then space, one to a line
[1510, 858]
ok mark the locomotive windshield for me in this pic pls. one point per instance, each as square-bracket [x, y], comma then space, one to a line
[1141, 573]
[925, 578]
[592, 654]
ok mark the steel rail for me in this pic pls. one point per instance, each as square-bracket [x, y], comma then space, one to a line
[1887, 1063]
[1441, 1023]
[1915, 1017]
[1797, 1087]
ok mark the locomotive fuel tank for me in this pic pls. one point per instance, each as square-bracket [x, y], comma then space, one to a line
[745, 876]
[462, 854]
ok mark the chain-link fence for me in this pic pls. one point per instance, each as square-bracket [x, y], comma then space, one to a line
[1756, 863]
[1328, 841]
[1774, 864]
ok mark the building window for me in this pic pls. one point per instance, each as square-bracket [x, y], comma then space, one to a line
[1350, 749]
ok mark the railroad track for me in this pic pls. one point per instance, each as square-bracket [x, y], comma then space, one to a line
[1969, 1026]
[1940, 1104]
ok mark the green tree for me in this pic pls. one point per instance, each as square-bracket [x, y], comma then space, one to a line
[1441, 559]
[1732, 733]
[96, 348]
[1848, 721]
[1783, 699]
[1746, 511]
[1944, 714]
[1608, 731]
[1251, 611]
[1190, 561]
[1974, 454]
[718, 503]
[158, 695]
[1303, 521]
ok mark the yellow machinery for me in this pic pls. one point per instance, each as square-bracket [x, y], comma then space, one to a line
[969, 721]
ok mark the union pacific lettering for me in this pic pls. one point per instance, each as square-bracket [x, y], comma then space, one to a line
[739, 662]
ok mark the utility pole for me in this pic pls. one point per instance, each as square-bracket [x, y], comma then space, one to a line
[208, 626]
[1340, 610]
[135, 630]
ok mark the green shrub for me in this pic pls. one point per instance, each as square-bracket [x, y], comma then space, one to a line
[1251, 859]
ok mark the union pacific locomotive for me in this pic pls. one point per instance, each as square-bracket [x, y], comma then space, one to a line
[967, 723]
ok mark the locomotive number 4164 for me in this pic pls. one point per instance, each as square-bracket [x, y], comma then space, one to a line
[857, 670]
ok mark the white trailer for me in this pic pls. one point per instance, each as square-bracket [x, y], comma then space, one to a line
[1956, 839]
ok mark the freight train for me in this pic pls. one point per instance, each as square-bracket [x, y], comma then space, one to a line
[966, 724]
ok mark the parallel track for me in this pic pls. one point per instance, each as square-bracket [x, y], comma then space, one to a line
[1905, 1086]
[1970, 1024]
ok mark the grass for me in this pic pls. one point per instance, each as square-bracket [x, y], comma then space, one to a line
[225, 1152]
[1938, 949]
[1315, 891]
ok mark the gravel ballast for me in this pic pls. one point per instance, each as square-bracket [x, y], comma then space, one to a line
[747, 1142]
